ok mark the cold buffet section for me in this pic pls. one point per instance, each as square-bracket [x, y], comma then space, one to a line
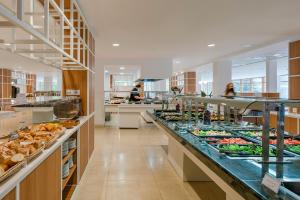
[211, 140]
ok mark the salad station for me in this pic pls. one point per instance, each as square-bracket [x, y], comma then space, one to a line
[247, 161]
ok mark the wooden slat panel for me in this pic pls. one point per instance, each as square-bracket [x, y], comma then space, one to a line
[45, 181]
[76, 80]
[294, 92]
[291, 125]
[84, 147]
[294, 49]
[91, 135]
[11, 195]
[294, 67]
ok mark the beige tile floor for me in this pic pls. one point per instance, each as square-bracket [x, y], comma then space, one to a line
[131, 164]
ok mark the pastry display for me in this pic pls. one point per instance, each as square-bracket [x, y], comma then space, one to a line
[69, 123]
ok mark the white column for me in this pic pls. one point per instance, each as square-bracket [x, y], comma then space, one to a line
[222, 72]
[271, 75]
[99, 92]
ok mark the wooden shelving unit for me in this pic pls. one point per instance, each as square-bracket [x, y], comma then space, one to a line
[66, 158]
[66, 180]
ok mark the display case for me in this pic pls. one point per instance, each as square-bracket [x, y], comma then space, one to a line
[241, 154]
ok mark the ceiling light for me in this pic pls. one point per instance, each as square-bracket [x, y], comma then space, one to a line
[211, 45]
[106, 71]
[122, 68]
[116, 45]
[247, 45]
[181, 72]
[257, 58]
[277, 55]
[121, 73]
[177, 61]
[7, 44]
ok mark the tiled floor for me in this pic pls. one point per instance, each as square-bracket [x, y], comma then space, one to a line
[131, 164]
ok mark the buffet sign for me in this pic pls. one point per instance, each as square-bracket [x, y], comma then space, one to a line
[272, 183]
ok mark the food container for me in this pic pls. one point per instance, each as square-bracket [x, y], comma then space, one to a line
[70, 161]
[65, 170]
[72, 143]
[65, 148]
[11, 171]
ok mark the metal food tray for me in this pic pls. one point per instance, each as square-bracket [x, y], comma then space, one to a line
[241, 155]
[201, 136]
[219, 137]
[60, 133]
[51, 142]
[13, 170]
[35, 154]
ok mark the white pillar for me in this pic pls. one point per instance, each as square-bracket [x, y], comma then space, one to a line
[271, 75]
[222, 72]
[99, 92]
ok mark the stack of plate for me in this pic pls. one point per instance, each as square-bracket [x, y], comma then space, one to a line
[70, 161]
[72, 143]
[65, 170]
[65, 148]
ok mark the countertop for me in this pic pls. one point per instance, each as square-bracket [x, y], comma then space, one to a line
[245, 176]
[13, 181]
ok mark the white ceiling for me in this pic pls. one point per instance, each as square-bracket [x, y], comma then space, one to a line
[182, 29]
[126, 69]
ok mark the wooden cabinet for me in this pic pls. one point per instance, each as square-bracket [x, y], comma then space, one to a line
[91, 135]
[45, 181]
[290, 124]
[11, 195]
[84, 147]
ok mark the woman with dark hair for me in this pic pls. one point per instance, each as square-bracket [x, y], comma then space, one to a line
[135, 93]
[229, 92]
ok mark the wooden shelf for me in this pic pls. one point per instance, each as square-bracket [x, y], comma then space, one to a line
[68, 192]
[66, 158]
[66, 180]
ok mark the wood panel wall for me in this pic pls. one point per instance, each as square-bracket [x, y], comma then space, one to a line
[84, 147]
[91, 135]
[76, 80]
[5, 83]
[11, 195]
[189, 82]
[294, 70]
[45, 181]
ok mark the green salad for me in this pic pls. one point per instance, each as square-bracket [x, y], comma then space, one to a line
[244, 149]
[295, 149]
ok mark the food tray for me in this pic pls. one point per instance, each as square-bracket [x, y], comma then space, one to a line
[286, 148]
[51, 142]
[209, 139]
[61, 132]
[13, 170]
[241, 154]
[35, 154]
[202, 136]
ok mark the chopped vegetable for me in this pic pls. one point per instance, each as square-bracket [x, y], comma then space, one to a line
[288, 141]
[295, 149]
[210, 133]
[244, 149]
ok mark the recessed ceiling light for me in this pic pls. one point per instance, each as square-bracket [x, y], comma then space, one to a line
[247, 45]
[121, 73]
[7, 44]
[106, 71]
[116, 45]
[211, 45]
[177, 62]
[181, 72]
[122, 68]
[277, 55]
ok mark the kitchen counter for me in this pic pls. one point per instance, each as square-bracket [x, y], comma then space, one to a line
[129, 114]
[244, 176]
[15, 180]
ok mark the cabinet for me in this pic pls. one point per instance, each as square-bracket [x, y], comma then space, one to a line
[45, 181]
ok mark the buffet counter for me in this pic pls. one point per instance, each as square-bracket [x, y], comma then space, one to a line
[41, 178]
[239, 178]
[129, 114]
